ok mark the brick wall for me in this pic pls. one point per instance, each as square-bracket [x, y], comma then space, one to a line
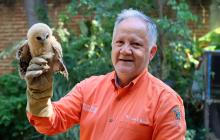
[54, 11]
[13, 25]
[201, 10]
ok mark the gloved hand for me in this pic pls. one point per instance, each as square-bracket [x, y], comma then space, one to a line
[39, 81]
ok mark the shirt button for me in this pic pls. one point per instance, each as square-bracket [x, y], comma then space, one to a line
[110, 120]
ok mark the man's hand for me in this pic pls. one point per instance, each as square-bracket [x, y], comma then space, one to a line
[38, 75]
[39, 86]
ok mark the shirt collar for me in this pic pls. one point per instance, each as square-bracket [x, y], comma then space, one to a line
[132, 83]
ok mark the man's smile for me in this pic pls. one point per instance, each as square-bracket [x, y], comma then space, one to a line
[125, 60]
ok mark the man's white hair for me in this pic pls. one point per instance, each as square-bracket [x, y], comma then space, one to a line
[150, 25]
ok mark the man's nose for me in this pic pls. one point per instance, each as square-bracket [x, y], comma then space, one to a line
[126, 49]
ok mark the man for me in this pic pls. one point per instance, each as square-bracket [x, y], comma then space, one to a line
[126, 104]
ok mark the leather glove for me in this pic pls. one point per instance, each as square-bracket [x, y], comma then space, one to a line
[39, 81]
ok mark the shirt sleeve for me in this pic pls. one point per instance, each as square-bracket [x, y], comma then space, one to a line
[169, 119]
[66, 113]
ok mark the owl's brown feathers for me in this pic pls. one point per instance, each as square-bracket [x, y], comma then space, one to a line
[40, 41]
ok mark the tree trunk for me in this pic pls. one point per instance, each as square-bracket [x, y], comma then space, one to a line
[31, 8]
[161, 41]
[214, 14]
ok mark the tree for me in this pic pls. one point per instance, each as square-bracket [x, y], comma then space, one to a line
[36, 11]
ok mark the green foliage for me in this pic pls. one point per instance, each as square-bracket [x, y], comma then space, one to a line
[179, 46]
[41, 11]
[12, 115]
[211, 40]
[190, 134]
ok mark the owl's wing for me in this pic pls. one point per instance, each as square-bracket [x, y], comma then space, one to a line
[58, 58]
[24, 56]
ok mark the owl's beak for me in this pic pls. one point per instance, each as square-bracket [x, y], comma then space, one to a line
[42, 41]
[44, 38]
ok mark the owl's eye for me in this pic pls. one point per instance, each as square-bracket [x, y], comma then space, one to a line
[47, 36]
[38, 38]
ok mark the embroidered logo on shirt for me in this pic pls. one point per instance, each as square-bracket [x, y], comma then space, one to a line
[176, 111]
[89, 108]
[137, 120]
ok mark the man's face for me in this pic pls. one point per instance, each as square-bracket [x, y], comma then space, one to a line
[130, 51]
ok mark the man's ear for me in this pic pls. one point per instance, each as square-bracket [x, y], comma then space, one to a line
[153, 52]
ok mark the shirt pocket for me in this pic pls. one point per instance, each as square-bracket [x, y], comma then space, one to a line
[134, 131]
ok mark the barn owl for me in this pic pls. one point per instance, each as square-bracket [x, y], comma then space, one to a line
[40, 41]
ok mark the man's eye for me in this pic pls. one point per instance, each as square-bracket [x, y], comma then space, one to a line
[135, 44]
[118, 43]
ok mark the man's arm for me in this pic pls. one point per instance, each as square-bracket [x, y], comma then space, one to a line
[66, 113]
[169, 118]
[47, 117]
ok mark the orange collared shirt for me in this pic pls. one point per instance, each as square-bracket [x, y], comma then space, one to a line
[146, 109]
